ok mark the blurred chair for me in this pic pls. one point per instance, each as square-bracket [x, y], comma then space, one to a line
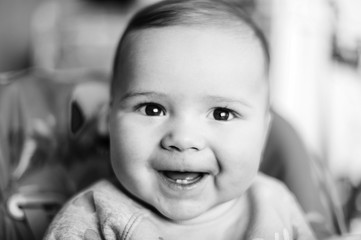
[45, 155]
[80, 33]
[286, 158]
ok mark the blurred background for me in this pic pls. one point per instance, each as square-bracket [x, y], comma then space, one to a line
[315, 71]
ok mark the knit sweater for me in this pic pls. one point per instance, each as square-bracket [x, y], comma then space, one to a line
[105, 211]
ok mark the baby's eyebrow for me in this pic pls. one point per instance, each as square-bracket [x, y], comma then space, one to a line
[149, 94]
[220, 99]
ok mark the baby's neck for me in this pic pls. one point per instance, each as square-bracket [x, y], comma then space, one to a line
[224, 222]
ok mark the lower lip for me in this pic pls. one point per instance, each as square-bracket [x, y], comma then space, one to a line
[182, 185]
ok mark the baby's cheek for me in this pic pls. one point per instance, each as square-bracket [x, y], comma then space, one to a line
[241, 157]
[125, 142]
[242, 175]
[238, 170]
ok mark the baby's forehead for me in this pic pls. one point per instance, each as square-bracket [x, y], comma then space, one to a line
[207, 52]
[137, 42]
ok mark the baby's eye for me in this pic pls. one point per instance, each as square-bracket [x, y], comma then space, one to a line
[151, 109]
[223, 114]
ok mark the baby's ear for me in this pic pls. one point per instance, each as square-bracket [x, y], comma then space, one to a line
[268, 124]
[89, 104]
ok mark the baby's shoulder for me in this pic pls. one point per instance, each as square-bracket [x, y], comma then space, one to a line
[108, 197]
[95, 210]
[275, 210]
[270, 195]
[270, 187]
[77, 219]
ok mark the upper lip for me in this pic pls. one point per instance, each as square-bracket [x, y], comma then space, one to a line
[182, 162]
[182, 167]
[185, 171]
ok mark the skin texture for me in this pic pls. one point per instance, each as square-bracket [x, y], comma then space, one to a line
[189, 99]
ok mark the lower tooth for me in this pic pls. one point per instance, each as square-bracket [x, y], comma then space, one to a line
[180, 181]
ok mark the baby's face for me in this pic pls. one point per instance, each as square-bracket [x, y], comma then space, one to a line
[189, 118]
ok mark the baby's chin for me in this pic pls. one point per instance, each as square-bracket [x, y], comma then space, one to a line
[181, 216]
[180, 212]
[193, 213]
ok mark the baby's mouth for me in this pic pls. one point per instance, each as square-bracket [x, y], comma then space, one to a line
[183, 178]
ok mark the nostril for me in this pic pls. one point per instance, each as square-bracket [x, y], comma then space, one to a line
[182, 141]
[179, 149]
[174, 148]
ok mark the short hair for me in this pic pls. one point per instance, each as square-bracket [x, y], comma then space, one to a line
[170, 13]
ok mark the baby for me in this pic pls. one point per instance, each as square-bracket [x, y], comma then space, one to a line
[188, 120]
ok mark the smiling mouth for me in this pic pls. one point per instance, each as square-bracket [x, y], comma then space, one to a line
[183, 178]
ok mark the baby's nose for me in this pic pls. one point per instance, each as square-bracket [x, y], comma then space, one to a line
[182, 136]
